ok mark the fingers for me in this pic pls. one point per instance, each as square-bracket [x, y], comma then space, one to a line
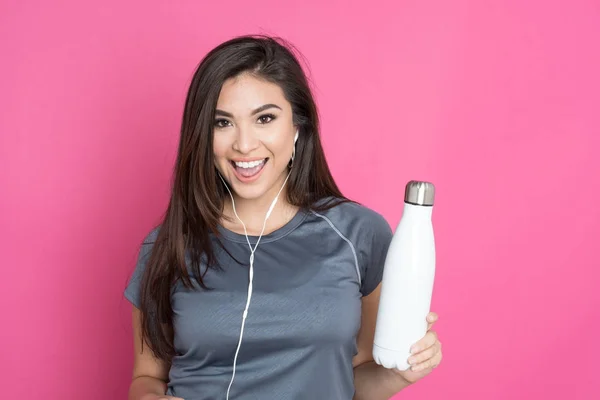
[428, 340]
[423, 358]
[424, 355]
[437, 358]
[425, 365]
[170, 398]
[427, 352]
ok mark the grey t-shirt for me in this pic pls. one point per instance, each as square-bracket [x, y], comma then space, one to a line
[300, 333]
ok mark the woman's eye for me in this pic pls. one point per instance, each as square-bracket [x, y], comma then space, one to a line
[265, 119]
[221, 123]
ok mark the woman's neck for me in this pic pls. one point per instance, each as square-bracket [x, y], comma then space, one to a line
[254, 211]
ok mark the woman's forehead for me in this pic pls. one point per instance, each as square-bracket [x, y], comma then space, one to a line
[246, 93]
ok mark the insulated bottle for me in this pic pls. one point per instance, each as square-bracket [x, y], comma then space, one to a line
[407, 283]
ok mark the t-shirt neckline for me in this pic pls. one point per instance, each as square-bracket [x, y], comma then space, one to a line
[277, 234]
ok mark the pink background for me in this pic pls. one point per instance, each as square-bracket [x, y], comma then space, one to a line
[496, 102]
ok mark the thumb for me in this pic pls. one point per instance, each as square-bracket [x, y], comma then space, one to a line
[431, 319]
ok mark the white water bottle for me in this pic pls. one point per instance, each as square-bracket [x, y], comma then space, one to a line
[407, 284]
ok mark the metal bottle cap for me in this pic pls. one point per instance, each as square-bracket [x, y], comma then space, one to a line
[419, 193]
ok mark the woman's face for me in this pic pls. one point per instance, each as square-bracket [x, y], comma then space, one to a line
[253, 136]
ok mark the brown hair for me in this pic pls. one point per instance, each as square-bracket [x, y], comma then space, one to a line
[196, 202]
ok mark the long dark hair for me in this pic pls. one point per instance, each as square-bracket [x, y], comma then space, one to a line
[196, 203]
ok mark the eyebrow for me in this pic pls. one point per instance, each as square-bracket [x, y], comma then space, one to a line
[259, 109]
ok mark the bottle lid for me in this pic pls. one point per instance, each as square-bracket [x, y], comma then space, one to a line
[419, 193]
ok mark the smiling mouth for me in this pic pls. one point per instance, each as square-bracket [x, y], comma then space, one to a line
[249, 169]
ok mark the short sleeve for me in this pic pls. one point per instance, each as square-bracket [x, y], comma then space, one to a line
[374, 246]
[133, 289]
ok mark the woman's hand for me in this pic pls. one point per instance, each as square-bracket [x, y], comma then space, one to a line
[426, 354]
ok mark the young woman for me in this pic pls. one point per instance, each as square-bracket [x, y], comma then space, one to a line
[262, 281]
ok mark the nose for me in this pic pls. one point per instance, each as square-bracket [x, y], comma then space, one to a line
[246, 140]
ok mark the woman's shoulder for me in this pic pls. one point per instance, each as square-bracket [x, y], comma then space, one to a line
[151, 236]
[351, 214]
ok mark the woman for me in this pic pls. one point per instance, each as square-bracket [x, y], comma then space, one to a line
[263, 280]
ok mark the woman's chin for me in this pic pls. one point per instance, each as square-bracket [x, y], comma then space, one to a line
[260, 190]
[246, 191]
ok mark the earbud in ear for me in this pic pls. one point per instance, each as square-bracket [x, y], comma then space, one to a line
[294, 150]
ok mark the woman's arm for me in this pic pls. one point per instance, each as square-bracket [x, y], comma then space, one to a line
[150, 375]
[147, 388]
[374, 382]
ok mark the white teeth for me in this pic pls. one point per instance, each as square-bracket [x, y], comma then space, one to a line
[250, 164]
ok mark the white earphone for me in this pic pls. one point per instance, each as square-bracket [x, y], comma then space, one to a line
[252, 250]
[294, 149]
